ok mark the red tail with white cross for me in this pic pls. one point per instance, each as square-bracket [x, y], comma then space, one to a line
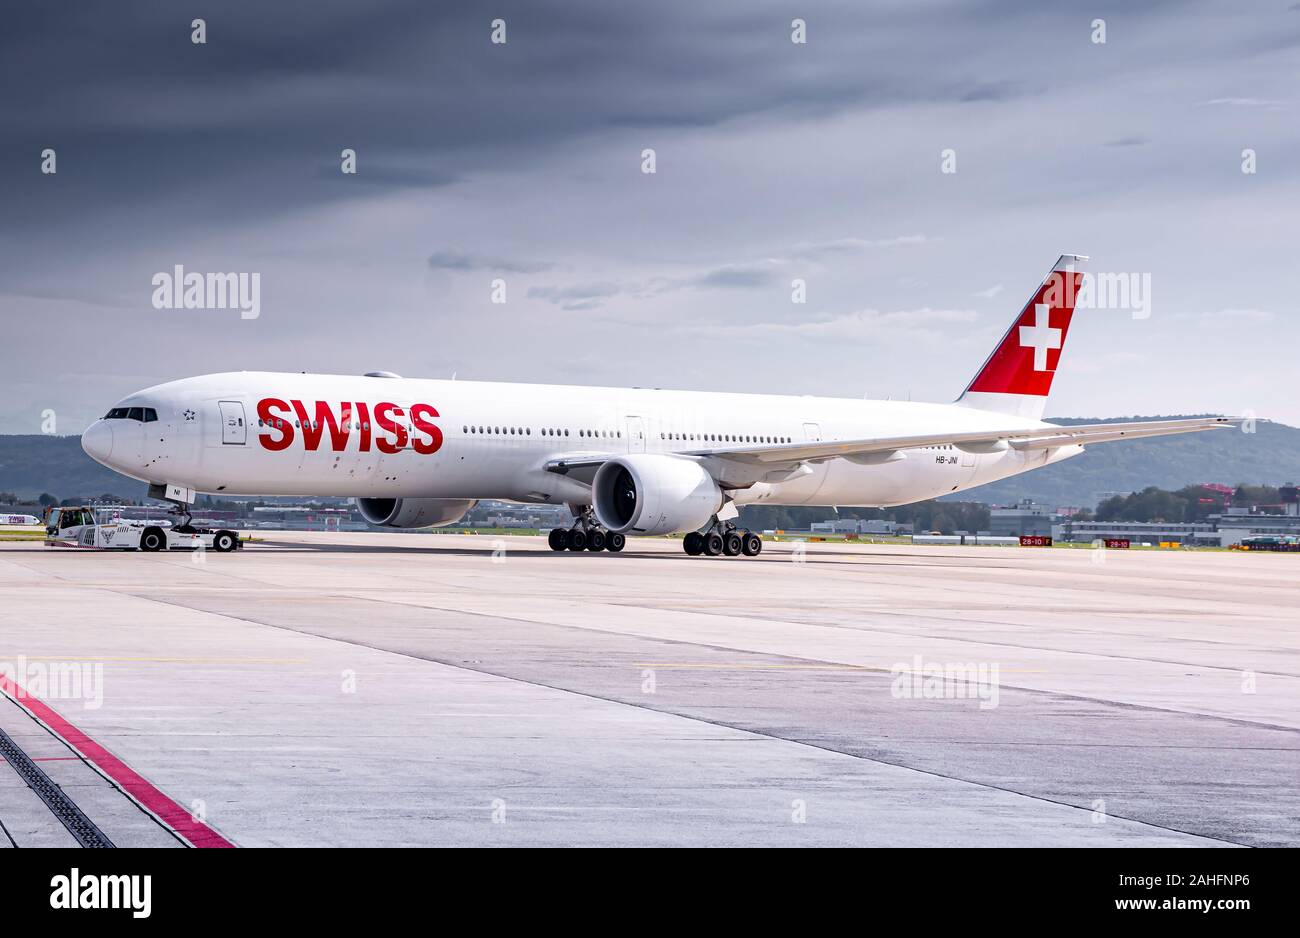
[1017, 377]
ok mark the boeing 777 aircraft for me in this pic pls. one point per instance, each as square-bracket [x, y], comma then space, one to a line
[627, 461]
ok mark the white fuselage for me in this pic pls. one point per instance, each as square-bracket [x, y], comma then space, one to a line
[493, 440]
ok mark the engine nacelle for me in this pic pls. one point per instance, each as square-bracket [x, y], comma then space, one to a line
[651, 494]
[413, 512]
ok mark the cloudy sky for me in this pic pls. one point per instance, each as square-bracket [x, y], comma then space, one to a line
[775, 160]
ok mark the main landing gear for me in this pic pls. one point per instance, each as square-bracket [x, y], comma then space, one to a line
[576, 539]
[586, 534]
[723, 538]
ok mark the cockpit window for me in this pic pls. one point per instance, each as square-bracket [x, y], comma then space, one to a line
[142, 414]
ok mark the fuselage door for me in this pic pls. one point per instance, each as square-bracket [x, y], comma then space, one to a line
[635, 435]
[234, 430]
[812, 432]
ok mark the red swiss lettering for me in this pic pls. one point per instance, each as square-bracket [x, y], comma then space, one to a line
[363, 413]
[385, 415]
[420, 414]
[274, 423]
[313, 429]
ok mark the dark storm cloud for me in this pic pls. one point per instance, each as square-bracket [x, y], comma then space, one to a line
[579, 295]
[456, 259]
[776, 161]
[747, 275]
[738, 276]
[254, 121]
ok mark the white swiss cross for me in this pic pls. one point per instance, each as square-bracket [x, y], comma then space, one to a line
[1040, 336]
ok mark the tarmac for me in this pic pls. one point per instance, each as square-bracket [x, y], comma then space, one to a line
[343, 689]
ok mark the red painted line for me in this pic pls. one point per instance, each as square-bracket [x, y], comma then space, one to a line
[139, 788]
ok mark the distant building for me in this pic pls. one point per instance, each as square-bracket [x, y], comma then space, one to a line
[1237, 523]
[860, 526]
[1138, 532]
[497, 514]
[1026, 517]
[306, 518]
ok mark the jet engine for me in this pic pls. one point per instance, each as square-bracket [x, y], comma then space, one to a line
[644, 493]
[413, 512]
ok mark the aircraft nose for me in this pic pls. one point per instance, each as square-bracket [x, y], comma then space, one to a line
[97, 441]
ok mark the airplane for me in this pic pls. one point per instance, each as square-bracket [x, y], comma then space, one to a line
[626, 461]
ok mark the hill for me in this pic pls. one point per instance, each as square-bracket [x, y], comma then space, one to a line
[34, 463]
[1270, 455]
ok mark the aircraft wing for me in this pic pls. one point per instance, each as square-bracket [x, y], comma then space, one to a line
[975, 441]
[583, 466]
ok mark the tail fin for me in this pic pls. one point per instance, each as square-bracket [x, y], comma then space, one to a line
[1017, 377]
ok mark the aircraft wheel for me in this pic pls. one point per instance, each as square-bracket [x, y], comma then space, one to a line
[223, 542]
[713, 544]
[577, 539]
[153, 539]
[693, 543]
[733, 544]
[753, 544]
[615, 542]
[558, 539]
[596, 541]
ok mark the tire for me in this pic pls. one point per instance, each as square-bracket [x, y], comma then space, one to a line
[713, 544]
[615, 542]
[733, 544]
[223, 542]
[693, 543]
[577, 539]
[753, 544]
[153, 539]
[596, 541]
[558, 539]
